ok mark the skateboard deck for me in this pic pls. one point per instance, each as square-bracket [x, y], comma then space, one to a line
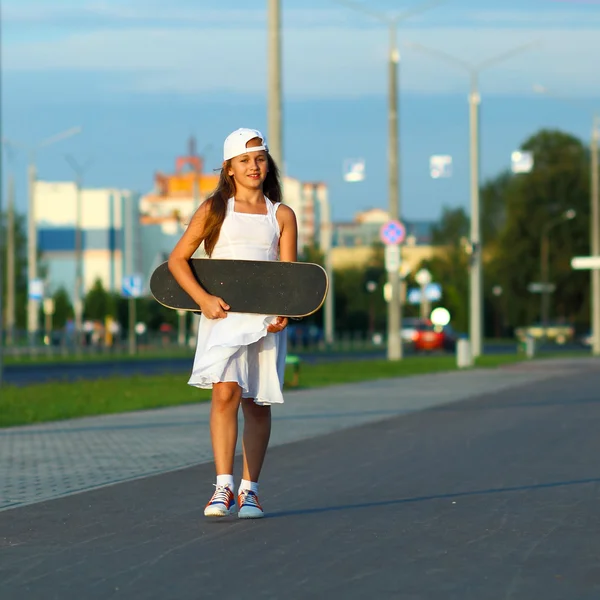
[284, 289]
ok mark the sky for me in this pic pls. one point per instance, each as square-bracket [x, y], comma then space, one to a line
[141, 76]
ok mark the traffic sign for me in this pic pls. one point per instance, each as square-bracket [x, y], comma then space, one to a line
[392, 258]
[440, 165]
[423, 277]
[354, 170]
[433, 293]
[392, 233]
[36, 289]
[521, 161]
[132, 286]
[585, 262]
[541, 288]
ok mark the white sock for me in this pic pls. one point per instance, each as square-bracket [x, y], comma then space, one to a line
[225, 481]
[248, 485]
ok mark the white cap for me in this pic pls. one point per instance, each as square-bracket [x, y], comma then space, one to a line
[235, 143]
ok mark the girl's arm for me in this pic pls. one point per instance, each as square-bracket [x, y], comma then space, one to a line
[212, 307]
[288, 251]
[288, 240]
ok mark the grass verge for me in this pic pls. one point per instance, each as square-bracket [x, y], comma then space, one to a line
[56, 401]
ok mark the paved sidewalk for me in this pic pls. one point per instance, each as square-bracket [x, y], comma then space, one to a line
[47, 461]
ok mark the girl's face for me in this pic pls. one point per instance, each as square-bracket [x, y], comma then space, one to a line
[250, 170]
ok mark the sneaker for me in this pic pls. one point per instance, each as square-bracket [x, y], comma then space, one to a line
[221, 504]
[250, 507]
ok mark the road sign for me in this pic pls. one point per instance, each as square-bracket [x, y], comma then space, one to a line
[392, 233]
[423, 277]
[36, 289]
[48, 306]
[541, 288]
[354, 170]
[585, 262]
[440, 165]
[521, 162]
[392, 258]
[132, 286]
[433, 293]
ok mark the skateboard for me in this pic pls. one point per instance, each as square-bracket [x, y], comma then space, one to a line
[284, 289]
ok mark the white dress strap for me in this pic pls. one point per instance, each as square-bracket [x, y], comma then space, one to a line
[272, 212]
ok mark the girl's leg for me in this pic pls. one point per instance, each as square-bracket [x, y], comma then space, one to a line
[257, 431]
[224, 408]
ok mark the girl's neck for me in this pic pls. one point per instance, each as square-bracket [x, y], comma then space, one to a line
[252, 197]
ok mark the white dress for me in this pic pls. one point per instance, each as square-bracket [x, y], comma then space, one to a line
[239, 348]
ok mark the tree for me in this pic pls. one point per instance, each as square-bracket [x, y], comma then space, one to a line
[63, 309]
[558, 182]
[453, 225]
[357, 309]
[450, 270]
[98, 303]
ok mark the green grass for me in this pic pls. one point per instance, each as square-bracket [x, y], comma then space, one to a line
[43, 357]
[55, 401]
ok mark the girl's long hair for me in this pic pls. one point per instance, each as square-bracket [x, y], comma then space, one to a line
[217, 208]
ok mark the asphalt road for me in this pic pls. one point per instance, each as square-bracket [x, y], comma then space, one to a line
[26, 374]
[494, 498]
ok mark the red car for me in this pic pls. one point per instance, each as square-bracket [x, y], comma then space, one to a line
[429, 337]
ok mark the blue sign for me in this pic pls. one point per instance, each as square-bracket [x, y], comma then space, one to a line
[36, 289]
[132, 286]
[433, 293]
[393, 233]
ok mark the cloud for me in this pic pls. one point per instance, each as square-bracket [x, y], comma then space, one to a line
[179, 13]
[539, 19]
[341, 57]
[134, 14]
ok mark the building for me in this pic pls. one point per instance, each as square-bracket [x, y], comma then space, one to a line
[353, 241]
[109, 234]
[365, 230]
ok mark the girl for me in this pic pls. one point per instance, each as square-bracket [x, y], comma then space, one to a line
[240, 356]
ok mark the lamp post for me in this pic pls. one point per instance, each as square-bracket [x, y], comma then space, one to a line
[10, 251]
[79, 171]
[394, 321]
[544, 262]
[325, 243]
[497, 292]
[594, 214]
[32, 267]
[371, 286]
[1, 275]
[476, 272]
[423, 278]
[274, 95]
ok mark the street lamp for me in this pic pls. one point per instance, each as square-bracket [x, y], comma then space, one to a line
[594, 214]
[476, 272]
[79, 170]
[423, 278]
[9, 322]
[274, 101]
[32, 267]
[371, 286]
[497, 292]
[325, 244]
[394, 349]
[544, 262]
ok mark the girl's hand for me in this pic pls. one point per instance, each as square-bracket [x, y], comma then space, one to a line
[278, 325]
[213, 307]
